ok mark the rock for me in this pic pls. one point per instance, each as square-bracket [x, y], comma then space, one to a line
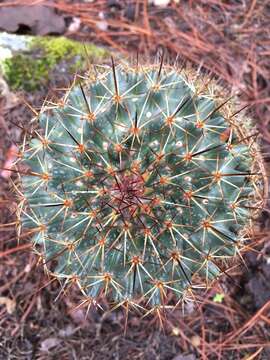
[38, 19]
[10, 43]
[74, 26]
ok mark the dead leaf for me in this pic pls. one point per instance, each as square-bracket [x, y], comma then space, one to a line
[11, 156]
[10, 304]
[9, 99]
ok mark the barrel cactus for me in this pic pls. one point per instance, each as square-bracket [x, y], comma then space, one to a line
[142, 181]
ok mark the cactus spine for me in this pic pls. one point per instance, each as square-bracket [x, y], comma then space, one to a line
[139, 183]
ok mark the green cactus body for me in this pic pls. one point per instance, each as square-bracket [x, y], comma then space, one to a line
[138, 184]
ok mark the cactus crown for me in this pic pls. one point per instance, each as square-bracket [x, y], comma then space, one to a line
[139, 183]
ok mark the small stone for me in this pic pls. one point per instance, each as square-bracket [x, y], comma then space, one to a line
[160, 3]
[74, 25]
[102, 25]
[175, 331]
[49, 343]
[195, 340]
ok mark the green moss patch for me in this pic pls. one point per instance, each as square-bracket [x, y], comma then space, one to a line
[31, 69]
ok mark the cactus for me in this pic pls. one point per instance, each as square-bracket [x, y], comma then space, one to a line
[141, 181]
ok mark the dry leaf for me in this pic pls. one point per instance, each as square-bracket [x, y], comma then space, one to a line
[10, 304]
[11, 156]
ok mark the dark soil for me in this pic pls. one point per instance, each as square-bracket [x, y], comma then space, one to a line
[40, 324]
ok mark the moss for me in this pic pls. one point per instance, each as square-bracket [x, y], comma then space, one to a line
[32, 69]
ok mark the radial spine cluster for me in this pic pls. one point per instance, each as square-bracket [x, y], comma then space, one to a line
[138, 185]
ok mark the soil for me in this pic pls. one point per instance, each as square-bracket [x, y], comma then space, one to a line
[36, 320]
